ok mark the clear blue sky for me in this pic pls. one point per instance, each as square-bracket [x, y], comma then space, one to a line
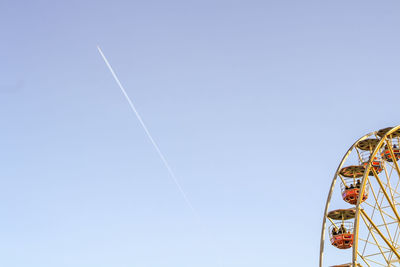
[252, 102]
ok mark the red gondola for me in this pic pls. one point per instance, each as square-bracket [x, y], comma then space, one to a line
[387, 155]
[342, 241]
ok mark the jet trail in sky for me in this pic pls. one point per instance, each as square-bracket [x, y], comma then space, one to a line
[171, 173]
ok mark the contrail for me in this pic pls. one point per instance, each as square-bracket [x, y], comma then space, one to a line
[146, 130]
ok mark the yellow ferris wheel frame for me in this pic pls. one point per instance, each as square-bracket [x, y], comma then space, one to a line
[386, 192]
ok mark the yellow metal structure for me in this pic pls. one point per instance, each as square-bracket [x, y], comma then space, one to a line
[376, 220]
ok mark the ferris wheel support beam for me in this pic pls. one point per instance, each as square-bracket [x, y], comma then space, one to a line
[380, 233]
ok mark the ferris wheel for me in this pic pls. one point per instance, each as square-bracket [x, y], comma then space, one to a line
[363, 226]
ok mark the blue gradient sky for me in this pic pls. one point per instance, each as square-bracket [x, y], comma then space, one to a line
[252, 102]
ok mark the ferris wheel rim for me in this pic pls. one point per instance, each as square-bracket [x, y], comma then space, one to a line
[322, 241]
[391, 132]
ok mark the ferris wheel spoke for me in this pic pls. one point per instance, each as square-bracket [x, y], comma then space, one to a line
[367, 258]
[372, 261]
[397, 186]
[374, 244]
[391, 167]
[387, 251]
[364, 215]
[377, 204]
[393, 192]
[375, 239]
[388, 182]
[397, 235]
[388, 188]
[388, 223]
[381, 211]
[375, 207]
[387, 207]
[362, 257]
[385, 223]
[386, 194]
